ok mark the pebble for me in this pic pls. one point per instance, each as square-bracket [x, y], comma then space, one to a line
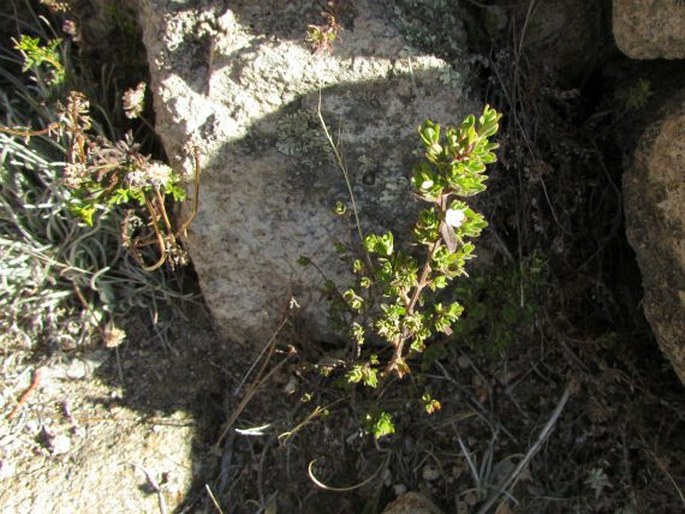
[430, 473]
[60, 444]
[7, 469]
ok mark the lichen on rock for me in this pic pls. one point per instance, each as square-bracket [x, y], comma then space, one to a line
[654, 200]
[241, 82]
[650, 29]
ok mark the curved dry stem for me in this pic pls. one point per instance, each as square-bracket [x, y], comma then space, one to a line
[196, 198]
[29, 132]
[320, 484]
[154, 218]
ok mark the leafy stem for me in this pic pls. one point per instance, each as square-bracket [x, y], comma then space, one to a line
[453, 167]
[392, 303]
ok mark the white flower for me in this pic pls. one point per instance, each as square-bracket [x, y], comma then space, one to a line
[455, 217]
[427, 184]
[136, 179]
[158, 174]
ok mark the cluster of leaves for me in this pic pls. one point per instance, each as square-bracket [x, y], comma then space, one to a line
[39, 57]
[322, 37]
[636, 96]
[102, 174]
[391, 301]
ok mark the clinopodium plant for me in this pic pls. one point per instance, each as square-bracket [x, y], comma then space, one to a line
[393, 285]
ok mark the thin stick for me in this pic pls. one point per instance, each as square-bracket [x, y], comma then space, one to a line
[660, 464]
[155, 487]
[341, 165]
[267, 347]
[196, 197]
[531, 4]
[37, 375]
[29, 133]
[513, 476]
[211, 497]
[255, 385]
[477, 407]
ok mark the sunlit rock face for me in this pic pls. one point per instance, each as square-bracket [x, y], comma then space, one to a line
[240, 85]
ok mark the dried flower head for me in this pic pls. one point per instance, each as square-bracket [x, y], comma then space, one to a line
[76, 114]
[151, 174]
[134, 101]
[158, 174]
[70, 27]
[113, 335]
[75, 174]
[56, 6]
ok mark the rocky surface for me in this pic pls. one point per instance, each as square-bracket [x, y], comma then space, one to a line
[112, 430]
[64, 453]
[241, 86]
[654, 200]
[650, 29]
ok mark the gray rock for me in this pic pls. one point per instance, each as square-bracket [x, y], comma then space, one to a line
[654, 201]
[240, 84]
[649, 29]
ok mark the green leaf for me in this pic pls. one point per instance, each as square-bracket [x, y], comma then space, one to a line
[364, 373]
[380, 424]
[430, 405]
[357, 266]
[381, 245]
[84, 211]
[357, 333]
[354, 301]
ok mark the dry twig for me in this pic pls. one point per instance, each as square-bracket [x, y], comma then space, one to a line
[512, 478]
[35, 382]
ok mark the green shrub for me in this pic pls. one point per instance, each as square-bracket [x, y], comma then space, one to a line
[393, 306]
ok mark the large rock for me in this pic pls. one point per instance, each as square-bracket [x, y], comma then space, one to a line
[650, 29]
[241, 85]
[654, 200]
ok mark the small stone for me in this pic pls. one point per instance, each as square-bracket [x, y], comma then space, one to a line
[60, 444]
[399, 489]
[291, 386]
[412, 503]
[430, 473]
[7, 469]
[463, 361]
[470, 499]
[77, 370]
